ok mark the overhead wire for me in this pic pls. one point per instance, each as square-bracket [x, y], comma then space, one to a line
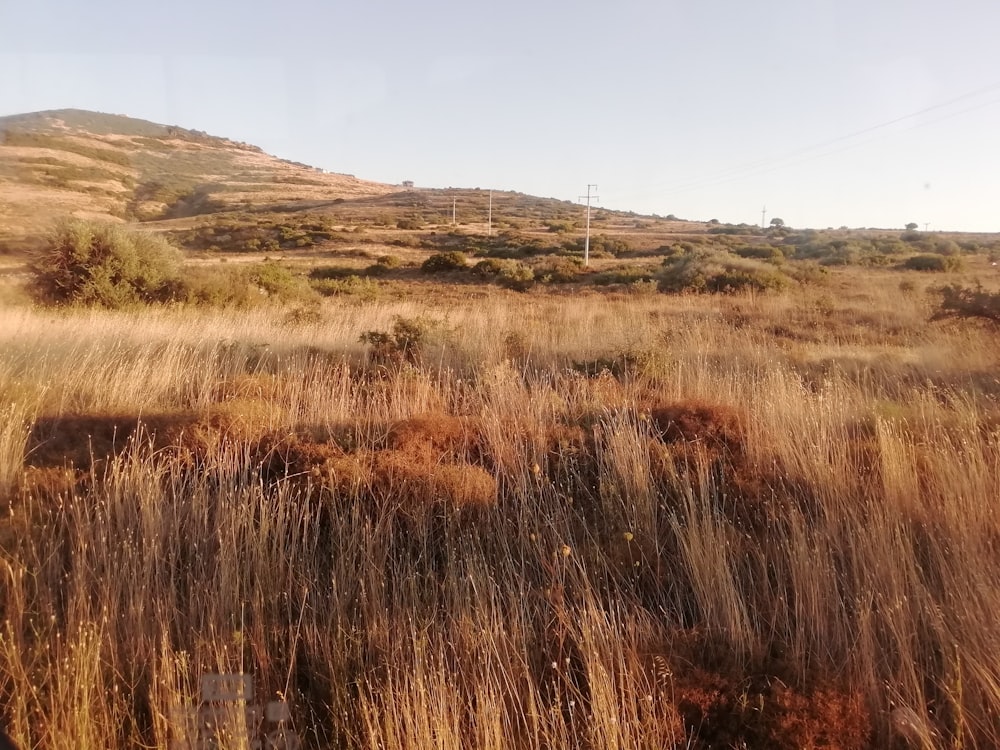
[811, 152]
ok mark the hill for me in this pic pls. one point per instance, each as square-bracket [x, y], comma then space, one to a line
[89, 164]
[214, 195]
[93, 165]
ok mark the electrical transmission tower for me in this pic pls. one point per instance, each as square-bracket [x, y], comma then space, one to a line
[586, 242]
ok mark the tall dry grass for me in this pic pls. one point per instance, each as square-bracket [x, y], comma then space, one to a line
[770, 526]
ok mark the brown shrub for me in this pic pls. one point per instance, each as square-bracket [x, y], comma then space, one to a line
[412, 480]
[714, 426]
[83, 441]
[724, 705]
[437, 437]
[463, 485]
[49, 482]
[281, 456]
[765, 712]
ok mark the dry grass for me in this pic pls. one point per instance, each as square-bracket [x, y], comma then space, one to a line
[747, 538]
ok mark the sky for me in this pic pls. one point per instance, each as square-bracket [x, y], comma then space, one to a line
[826, 113]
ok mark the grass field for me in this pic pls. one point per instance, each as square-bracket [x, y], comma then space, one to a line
[540, 520]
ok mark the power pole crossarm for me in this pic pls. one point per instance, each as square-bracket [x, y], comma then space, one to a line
[586, 242]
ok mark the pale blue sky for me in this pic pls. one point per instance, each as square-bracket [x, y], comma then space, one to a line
[701, 109]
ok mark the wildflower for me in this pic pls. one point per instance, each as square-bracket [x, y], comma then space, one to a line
[628, 536]
[566, 551]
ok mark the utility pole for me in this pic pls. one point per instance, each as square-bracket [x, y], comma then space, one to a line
[763, 215]
[586, 242]
[489, 225]
[926, 224]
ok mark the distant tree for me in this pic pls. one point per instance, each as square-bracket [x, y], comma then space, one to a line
[776, 222]
[911, 227]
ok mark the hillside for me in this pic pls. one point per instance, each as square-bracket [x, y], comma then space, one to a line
[87, 164]
[91, 165]
[215, 197]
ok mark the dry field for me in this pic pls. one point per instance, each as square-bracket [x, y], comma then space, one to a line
[525, 521]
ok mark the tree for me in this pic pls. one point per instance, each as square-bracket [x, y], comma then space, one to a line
[911, 226]
[104, 264]
[776, 222]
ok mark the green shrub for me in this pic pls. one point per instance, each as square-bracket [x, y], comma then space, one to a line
[936, 263]
[760, 252]
[332, 272]
[624, 275]
[242, 286]
[348, 286]
[219, 287]
[275, 280]
[378, 269]
[601, 246]
[560, 226]
[488, 267]
[403, 345]
[962, 302]
[737, 280]
[559, 271]
[107, 265]
[453, 260]
[734, 229]
[516, 276]
[717, 271]
[511, 274]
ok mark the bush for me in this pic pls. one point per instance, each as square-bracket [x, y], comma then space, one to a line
[107, 265]
[760, 252]
[444, 262]
[516, 276]
[600, 246]
[219, 287]
[384, 265]
[348, 286]
[274, 280]
[624, 275]
[511, 274]
[707, 271]
[559, 271]
[962, 302]
[488, 267]
[560, 226]
[402, 346]
[928, 262]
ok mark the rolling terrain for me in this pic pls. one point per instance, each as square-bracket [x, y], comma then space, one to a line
[95, 165]
[438, 483]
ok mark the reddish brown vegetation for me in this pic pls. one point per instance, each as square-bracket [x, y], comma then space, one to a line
[695, 423]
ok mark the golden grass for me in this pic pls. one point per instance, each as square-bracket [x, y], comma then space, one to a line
[772, 528]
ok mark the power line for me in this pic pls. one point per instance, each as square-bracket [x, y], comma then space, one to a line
[785, 164]
[764, 165]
